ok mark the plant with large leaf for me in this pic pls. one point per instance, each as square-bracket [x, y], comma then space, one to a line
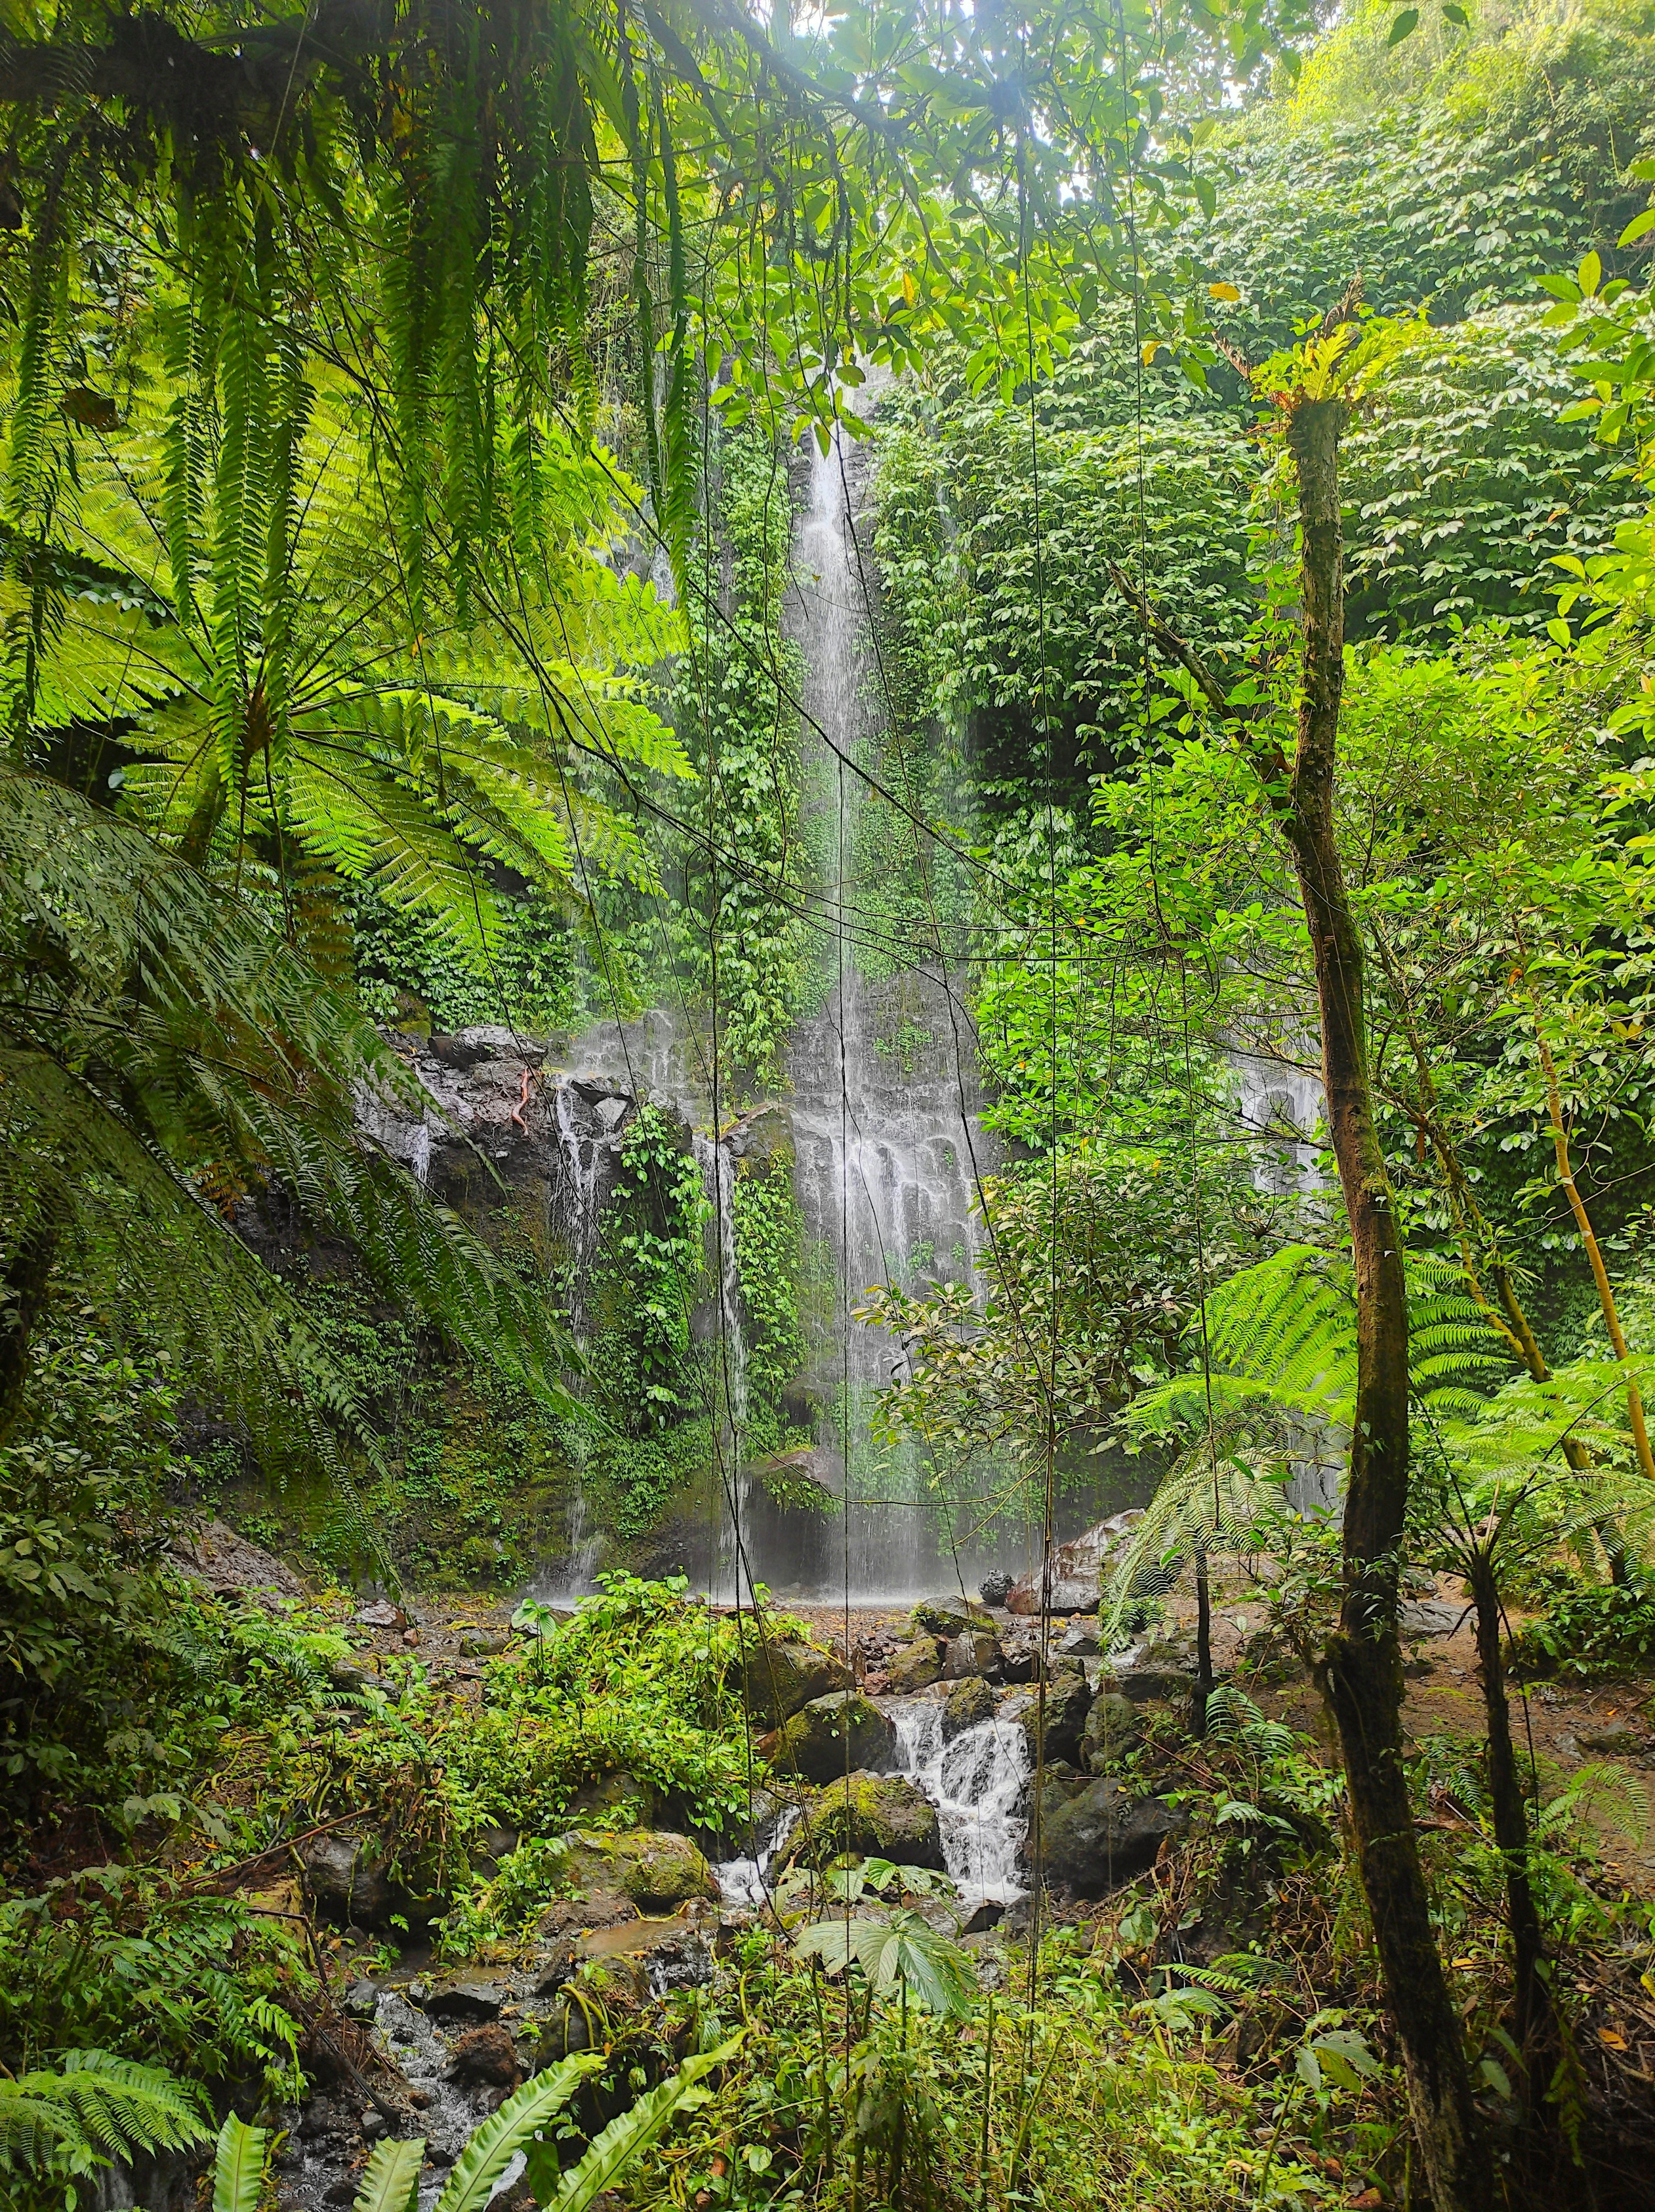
[899, 1954]
[227, 612]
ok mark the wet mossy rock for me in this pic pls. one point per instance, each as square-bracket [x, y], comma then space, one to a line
[967, 1703]
[1102, 1837]
[1113, 1727]
[667, 1871]
[778, 1678]
[655, 1868]
[916, 1667]
[833, 1735]
[948, 1617]
[349, 1882]
[1068, 1702]
[975, 1652]
[871, 1816]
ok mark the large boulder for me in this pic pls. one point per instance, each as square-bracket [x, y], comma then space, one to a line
[348, 1882]
[834, 1736]
[778, 1678]
[1071, 1581]
[1068, 1701]
[915, 1667]
[966, 1704]
[1113, 1726]
[1103, 1838]
[948, 1617]
[663, 1871]
[872, 1815]
[972, 1653]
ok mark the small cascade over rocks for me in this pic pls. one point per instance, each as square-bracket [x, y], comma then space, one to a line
[978, 1783]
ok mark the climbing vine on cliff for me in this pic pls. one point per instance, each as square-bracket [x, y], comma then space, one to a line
[769, 1239]
[650, 1274]
[738, 935]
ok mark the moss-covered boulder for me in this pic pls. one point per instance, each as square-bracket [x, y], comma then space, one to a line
[967, 1703]
[948, 1617]
[779, 1677]
[871, 1815]
[1102, 1837]
[661, 1871]
[916, 1667]
[1113, 1727]
[1068, 1701]
[833, 1736]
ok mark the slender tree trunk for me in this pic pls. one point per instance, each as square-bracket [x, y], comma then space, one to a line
[1361, 1668]
[1594, 1253]
[26, 1283]
[1511, 1818]
[1203, 1643]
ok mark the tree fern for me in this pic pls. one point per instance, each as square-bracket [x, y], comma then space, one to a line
[165, 1056]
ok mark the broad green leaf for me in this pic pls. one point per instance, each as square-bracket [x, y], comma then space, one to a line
[901, 1952]
[1589, 273]
[239, 2167]
[1404, 26]
[392, 2183]
[1223, 292]
[1637, 227]
[492, 2145]
[614, 2151]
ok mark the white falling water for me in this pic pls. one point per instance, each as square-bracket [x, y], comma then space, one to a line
[747, 1880]
[1280, 1107]
[979, 1786]
[887, 1140]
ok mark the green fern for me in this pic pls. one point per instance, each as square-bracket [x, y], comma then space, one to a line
[239, 2165]
[627, 2136]
[92, 2109]
[162, 1055]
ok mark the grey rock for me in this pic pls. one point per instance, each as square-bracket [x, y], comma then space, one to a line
[665, 1871]
[949, 1616]
[360, 2001]
[484, 1643]
[345, 1878]
[565, 2029]
[1079, 1643]
[1068, 1701]
[381, 1614]
[1113, 1726]
[1615, 1740]
[1071, 1581]
[1145, 1685]
[350, 1674]
[836, 1733]
[971, 1654]
[620, 1797]
[1103, 1838]
[1429, 1616]
[967, 1703]
[213, 1553]
[995, 1588]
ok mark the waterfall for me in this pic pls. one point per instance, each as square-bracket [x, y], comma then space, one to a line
[1282, 1105]
[978, 1783]
[884, 1080]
